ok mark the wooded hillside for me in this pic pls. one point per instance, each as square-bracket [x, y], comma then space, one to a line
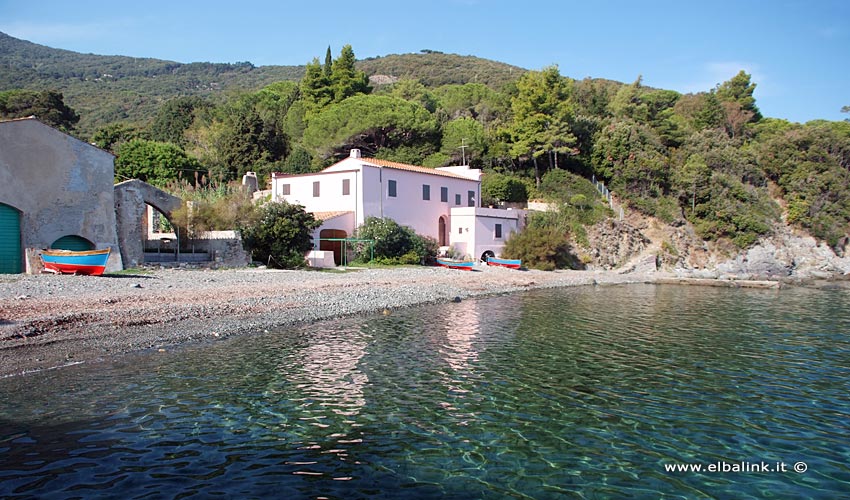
[708, 159]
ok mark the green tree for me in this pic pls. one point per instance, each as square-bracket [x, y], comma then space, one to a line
[472, 100]
[496, 187]
[627, 102]
[710, 114]
[250, 144]
[46, 105]
[298, 161]
[346, 80]
[414, 91]
[464, 139]
[281, 235]
[369, 123]
[109, 137]
[156, 163]
[811, 165]
[328, 67]
[173, 118]
[316, 90]
[542, 117]
[739, 90]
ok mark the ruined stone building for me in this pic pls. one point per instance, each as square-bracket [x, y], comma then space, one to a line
[55, 192]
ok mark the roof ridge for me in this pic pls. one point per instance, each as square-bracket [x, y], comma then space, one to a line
[413, 168]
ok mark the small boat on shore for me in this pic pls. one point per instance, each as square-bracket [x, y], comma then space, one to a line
[456, 264]
[509, 263]
[90, 262]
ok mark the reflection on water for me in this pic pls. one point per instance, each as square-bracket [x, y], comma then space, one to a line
[578, 392]
[326, 372]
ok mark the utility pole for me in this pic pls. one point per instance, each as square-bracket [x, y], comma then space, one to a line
[462, 149]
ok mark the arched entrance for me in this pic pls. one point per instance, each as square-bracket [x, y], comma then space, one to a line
[10, 240]
[332, 246]
[72, 242]
[443, 231]
[131, 200]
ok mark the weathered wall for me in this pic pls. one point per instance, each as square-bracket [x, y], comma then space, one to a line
[61, 185]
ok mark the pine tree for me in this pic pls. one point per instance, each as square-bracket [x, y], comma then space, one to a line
[316, 88]
[346, 80]
[328, 62]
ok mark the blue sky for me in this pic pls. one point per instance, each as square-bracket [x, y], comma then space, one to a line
[798, 52]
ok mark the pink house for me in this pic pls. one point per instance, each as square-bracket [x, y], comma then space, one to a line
[441, 203]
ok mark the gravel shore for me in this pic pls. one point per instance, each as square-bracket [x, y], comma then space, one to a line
[49, 321]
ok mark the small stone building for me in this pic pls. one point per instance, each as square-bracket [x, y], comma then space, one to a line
[55, 192]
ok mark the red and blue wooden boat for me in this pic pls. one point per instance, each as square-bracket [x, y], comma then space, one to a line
[456, 264]
[509, 263]
[90, 262]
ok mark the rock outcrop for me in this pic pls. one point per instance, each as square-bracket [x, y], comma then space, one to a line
[642, 243]
[613, 244]
[787, 255]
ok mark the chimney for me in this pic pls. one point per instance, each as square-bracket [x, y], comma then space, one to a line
[355, 153]
[249, 180]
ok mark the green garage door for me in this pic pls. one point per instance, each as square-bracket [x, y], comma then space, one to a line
[10, 240]
[72, 242]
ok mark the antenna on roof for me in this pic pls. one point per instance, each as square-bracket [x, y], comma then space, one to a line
[462, 149]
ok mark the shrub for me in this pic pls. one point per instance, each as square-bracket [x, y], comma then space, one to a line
[213, 208]
[281, 235]
[542, 247]
[496, 187]
[394, 244]
[560, 186]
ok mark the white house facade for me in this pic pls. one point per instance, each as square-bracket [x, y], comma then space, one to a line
[343, 195]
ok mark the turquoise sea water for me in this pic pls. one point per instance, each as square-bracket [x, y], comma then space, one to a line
[590, 392]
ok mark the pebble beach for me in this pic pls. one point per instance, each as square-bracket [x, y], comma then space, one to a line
[48, 321]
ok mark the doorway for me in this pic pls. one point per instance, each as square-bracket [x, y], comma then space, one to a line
[332, 246]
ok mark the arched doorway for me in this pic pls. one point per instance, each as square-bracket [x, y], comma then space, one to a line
[443, 231]
[10, 240]
[72, 242]
[332, 246]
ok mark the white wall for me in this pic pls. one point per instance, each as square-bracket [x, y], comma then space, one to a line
[408, 207]
[330, 197]
[473, 230]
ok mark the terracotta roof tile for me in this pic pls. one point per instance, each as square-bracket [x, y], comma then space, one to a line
[329, 215]
[413, 168]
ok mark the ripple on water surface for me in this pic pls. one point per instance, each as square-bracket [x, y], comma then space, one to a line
[587, 392]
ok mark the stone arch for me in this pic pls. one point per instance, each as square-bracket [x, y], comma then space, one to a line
[130, 200]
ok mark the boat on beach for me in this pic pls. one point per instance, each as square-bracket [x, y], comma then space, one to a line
[509, 263]
[89, 262]
[456, 264]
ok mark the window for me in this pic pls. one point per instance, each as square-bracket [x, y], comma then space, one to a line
[426, 192]
[460, 229]
[444, 194]
[346, 187]
[284, 190]
[316, 189]
[391, 189]
[470, 198]
[457, 199]
[498, 231]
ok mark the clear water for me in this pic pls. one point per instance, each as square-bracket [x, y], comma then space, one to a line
[584, 392]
